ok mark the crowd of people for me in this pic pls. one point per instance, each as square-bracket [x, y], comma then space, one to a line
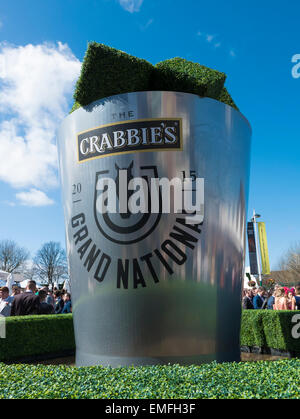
[34, 301]
[278, 298]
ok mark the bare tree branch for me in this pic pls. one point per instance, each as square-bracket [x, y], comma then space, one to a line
[12, 256]
[50, 263]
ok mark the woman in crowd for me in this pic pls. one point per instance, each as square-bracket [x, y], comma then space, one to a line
[280, 299]
[67, 303]
[291, 302]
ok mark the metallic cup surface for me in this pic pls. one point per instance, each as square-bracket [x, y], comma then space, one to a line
[153, 289]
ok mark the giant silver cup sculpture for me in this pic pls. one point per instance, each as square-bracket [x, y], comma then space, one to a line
[150, 288]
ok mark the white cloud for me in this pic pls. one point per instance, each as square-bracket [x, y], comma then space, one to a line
[209, 38]
[215, 42]
[34, 91]
[146, 26]
[131, 5]
[34, 198]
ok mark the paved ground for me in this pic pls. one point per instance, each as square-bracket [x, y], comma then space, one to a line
[244, 357]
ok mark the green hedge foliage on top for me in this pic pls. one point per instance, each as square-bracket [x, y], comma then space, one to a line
[181, 75]
[107, 71]
[244, 380]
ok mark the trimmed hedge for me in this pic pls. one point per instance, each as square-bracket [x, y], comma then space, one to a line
[269, 329]
[107, 71]
[226, 98]
[42, 335]
[181, 75]
[247, 380]
[37, 335]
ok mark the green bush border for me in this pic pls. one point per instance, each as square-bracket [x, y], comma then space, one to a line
[37, 335]
[269, 329]
[53, 334]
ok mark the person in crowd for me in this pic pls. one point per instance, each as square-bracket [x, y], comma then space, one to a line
[297, 297]
[45, 308]
[247, 300]
[58, 302]
[271, 300]
[16, 290]
[259, 298]
[280, 299]
[5, 302]
[49, 296]
[27, 303]
[67, 303]
[290, 300]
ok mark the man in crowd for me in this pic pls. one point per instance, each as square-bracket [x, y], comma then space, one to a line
[59, 302]
[5, 302]
[45, 308]
[271, 300]
[259, 298]
[27, 303]
[247, 300]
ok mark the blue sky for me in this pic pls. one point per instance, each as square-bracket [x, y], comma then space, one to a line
[253, 42]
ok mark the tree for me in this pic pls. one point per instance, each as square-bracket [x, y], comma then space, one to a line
[50, 263]
[289, 266]
[12, 256]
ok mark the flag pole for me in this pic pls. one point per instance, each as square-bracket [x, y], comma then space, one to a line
[257, 248]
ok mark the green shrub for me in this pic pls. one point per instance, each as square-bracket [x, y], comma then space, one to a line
[226, 98]
[268, 328]
[178, 74]
[41, 335]
[255, 380]
[107, 71]
[36, 335]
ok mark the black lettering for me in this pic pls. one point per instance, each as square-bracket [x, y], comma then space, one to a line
[171, 254]
[137, 274]
[91, 257]
[82, 249]
[163, 261]
[122, 274]
[147, 258]
[104, 259]
[81, 234]
[183, 237]
[75, 220]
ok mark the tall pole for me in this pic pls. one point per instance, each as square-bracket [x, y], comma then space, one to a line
[257, 249]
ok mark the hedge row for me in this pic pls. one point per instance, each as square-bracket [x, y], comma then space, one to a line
[41, 335]
[107, 71]
[270, 329]
[37, 335]
[248, 380]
